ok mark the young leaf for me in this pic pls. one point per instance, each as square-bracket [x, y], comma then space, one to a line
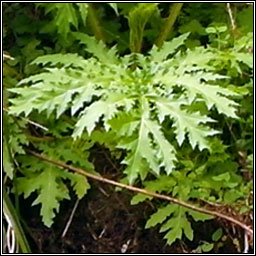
[217, 235]
[159, 54]
[161, 215]
[138, 18]
[176, 225]
[79, 183]
[50, 192]
[97, 48]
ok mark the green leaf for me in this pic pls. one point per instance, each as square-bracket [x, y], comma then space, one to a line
[206, 247]
[90, 117]
[14, 135]
[187, 229]
[162, 183]
[50, 191]
[210, 30]
[142, 149]
[64, 15]
[185, 122]
[212, 95]
[66, 60]
[79, 183]
[83, 9]
[246, 58]
[217, 235]
[222, 29]
[168, 48]
[7, 161]
[139, 198]
[164, 149]
[177, 224]
[232, 195]
[85, 95]
[46, 100]
[114, 7]
[222, 177]
[174, 234]
[92, 114]
[198, 216]
[161, 215]
[97, 48]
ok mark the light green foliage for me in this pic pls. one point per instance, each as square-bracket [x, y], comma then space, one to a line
[79, 183]
[177, 222]
[168, 48]
[50, 192]
[48, 180]
[98, 49]
[194, 180]
[141, 151]
[162, 183]
[148, 89]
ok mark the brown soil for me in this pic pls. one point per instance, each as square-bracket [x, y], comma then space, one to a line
[104, 222]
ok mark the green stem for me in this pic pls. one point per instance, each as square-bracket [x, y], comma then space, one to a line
[10, 211]
[175, 10]
[95, 23]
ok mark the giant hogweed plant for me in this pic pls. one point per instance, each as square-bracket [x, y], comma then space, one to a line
[143, 102]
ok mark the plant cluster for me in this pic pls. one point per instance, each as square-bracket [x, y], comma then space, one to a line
[177, 115]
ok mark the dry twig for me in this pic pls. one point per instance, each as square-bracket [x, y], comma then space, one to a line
[70, 219]
[231, 17]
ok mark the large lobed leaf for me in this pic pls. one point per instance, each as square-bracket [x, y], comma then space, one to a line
[100, 90]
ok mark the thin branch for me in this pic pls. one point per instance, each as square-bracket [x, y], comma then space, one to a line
[231, 18]
[142, 191]
[29, 121]
[109, 160]
[7, 57]
[246, 244]
[70, 218]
